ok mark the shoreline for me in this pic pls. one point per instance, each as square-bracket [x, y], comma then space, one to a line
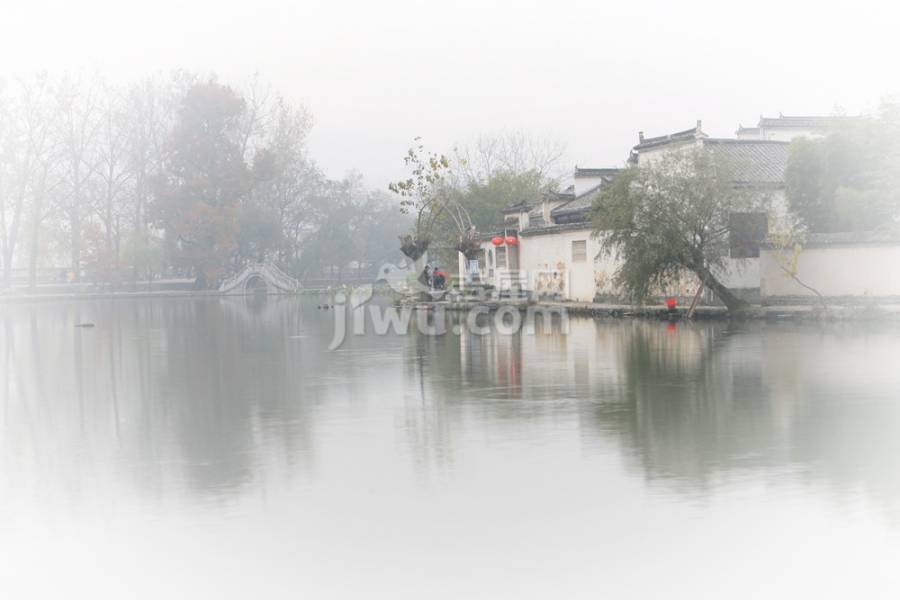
[800, 312]
[805, 312]
[89, 296]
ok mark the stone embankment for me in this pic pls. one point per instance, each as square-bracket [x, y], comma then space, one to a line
[754, 312]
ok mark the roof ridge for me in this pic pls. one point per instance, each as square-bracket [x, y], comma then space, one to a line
[743, 141]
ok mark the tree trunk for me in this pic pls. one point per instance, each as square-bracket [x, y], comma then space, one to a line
[35, 244]
[419, 267]
[75, 225]
[731, 302]
[11, 238]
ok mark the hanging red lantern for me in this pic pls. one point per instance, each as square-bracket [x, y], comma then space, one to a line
[512, 240]
[497, 241]
[671, 303]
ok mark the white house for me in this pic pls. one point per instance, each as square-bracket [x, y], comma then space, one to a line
[555, 255]
[785, 129]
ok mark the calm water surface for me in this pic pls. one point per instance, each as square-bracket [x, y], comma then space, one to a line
[215, 449]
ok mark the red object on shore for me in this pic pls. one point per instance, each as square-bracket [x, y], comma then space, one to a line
[671, 303]
[512, 240]
[497, 241]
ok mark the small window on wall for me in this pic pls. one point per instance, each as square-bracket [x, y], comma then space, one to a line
[579, 251]
[501, 257]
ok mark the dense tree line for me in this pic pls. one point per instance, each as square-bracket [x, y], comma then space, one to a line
[177, 174]
[848, 180]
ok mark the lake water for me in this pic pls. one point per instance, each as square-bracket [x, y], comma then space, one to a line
[215, 449]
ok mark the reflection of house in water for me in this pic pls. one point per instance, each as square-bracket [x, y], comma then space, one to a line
[694, 406]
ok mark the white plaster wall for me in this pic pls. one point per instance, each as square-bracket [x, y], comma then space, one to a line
[741, 273]
[583, 184]
[541, 256]
[545, 263]
[787, 135]
[837, 271]
[651, 155]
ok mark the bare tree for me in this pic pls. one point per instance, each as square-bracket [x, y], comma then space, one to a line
[512, 152]
[44, 185]
[24, 135]
[79, 124]
[113, 167]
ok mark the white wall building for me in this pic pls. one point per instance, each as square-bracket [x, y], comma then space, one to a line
[785, 129]
[843, 267]
[557, 256]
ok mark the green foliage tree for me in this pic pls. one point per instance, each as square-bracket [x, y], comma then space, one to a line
[259, 232]
[455, 198]
[204, 181]
[484, 199]
[850, 179]
[145, 255]
[350, 226]
[670, 216]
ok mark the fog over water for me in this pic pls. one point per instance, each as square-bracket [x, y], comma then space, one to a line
[589, 74]
[212, 447]
[160, 439]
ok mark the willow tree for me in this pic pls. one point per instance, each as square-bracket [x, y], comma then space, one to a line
[672, 216]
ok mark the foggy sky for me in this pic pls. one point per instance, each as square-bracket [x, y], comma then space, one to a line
[376, 74]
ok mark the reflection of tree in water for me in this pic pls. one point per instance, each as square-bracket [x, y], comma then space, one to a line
[235, 387]
[683, 411]
[464, 381]
[429, 418]
[200, 391]
[692, 406]
[709, 402]
[212, 395]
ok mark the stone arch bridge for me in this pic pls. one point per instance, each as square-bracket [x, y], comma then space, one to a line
[263, 277]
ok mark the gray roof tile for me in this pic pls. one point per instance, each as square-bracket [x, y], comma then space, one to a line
[752, 161]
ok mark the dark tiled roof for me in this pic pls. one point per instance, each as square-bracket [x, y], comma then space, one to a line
[518, 207]
[804, 122]
[580, 203]
[536, 217]
[679, 136]
[753, 161]
[862, 238]
[592, 172]
[575, 226]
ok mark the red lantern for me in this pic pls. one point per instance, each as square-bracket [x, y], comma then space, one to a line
[671, 303]
[497, 241]
[512, 240]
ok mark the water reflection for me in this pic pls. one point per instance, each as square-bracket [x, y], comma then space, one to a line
[697, 406]
[212, 399]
